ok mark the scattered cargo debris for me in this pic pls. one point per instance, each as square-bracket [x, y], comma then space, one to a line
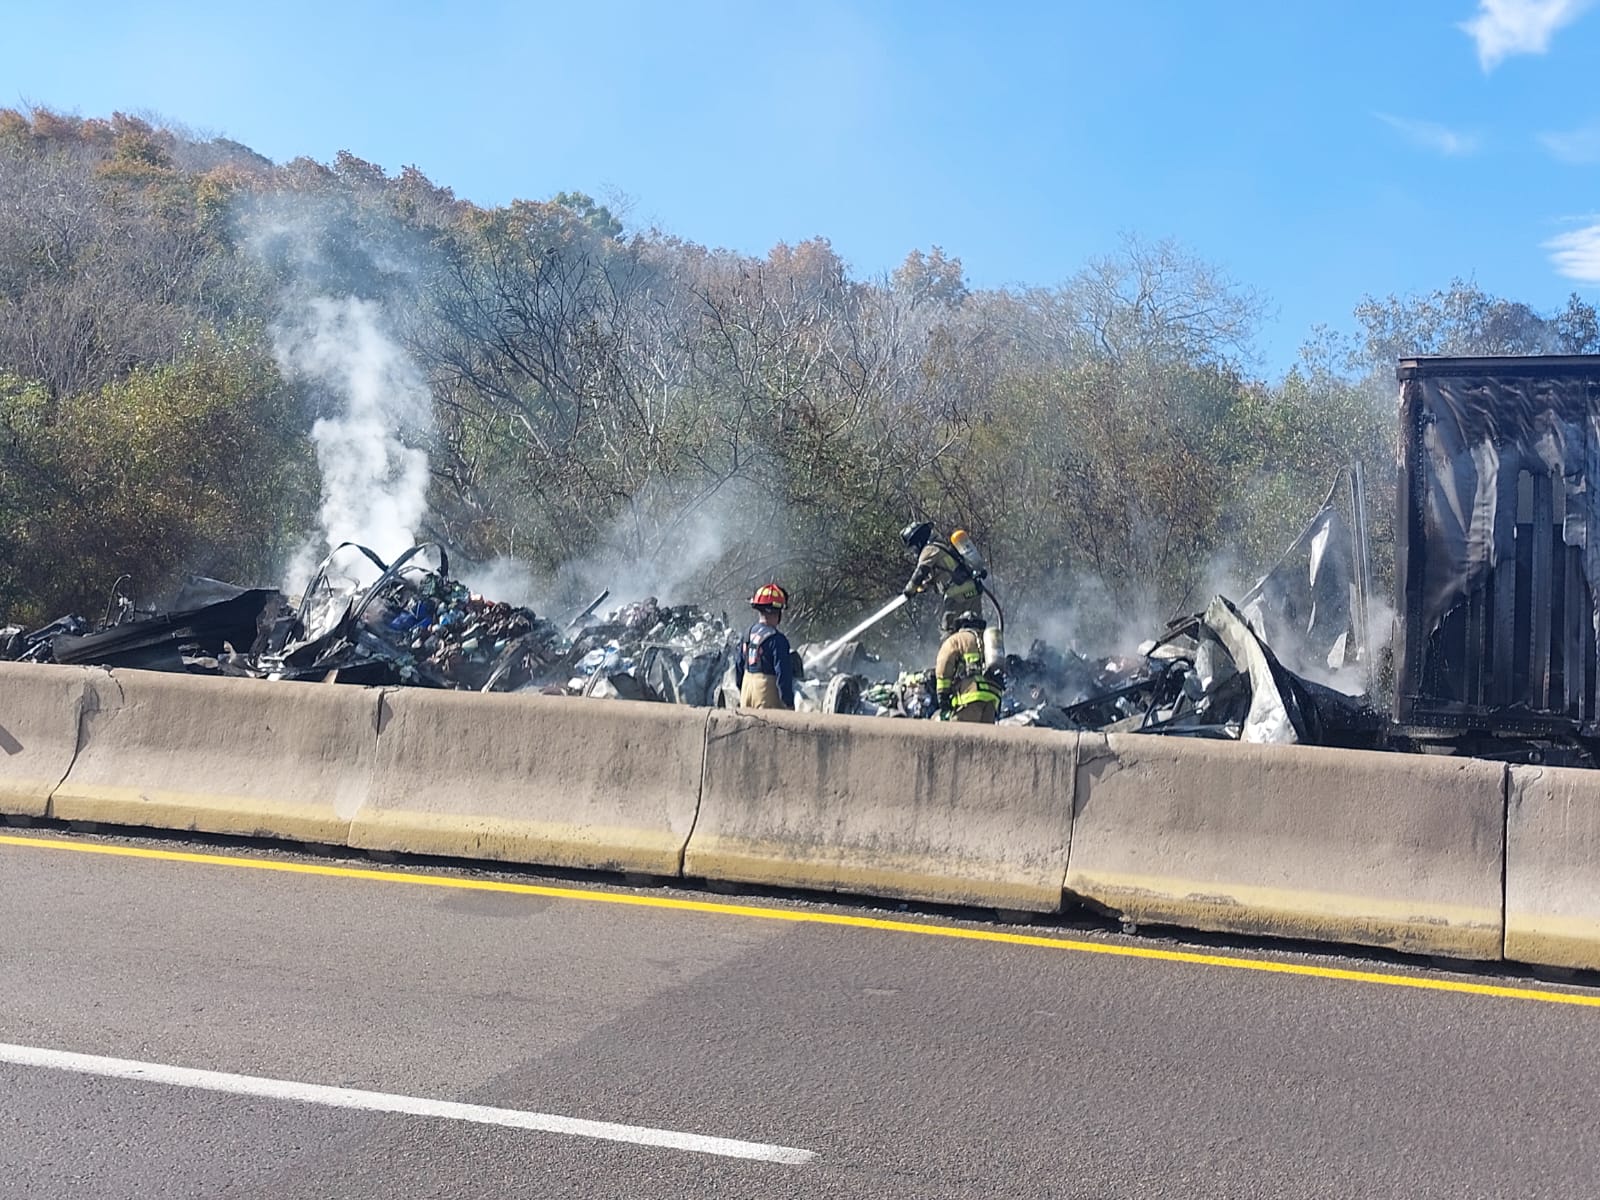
[1209, 675]
[1213, 674]
[412, 625]
[361, 620]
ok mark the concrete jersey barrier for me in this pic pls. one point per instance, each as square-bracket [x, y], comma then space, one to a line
[554, 781]
[283, 760]
[1553, 867]
[40, 708]
[1337, 845]
[1405, 851]
[896, 808]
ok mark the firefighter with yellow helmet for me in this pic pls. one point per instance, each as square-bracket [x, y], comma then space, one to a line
[764, 669]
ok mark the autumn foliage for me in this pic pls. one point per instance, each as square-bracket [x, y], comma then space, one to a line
[605, 390]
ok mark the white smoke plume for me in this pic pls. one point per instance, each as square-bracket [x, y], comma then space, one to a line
[1095, 621]
[706, 549]
[646, 553]
[374, 475]
[506, 579]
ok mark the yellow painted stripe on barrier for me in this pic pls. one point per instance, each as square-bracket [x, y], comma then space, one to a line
[1586, 1000]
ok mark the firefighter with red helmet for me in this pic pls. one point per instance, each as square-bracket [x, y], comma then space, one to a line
[764, 670]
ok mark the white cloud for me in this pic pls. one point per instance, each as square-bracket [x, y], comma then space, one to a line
[1432, 136]
[1577, 146]
[1503, 28]
[1577, 254]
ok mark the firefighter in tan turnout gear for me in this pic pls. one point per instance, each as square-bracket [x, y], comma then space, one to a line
[946, 567]
[764, 670]
[967, 690]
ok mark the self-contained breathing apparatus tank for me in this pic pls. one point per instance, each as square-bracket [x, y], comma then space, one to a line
[994, 646]
[961, 542]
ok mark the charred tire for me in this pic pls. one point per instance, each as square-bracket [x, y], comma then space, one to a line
[843, 694]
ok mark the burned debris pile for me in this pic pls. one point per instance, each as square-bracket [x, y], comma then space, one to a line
[1213, 674]
[361, 620]
[1497, 599]
[413, 624]
[1209, 675]
[645, 651]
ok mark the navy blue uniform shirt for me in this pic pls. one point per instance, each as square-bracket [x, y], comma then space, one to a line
[765, 651]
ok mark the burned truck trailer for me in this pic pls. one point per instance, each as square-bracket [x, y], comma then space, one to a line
[1497, 551]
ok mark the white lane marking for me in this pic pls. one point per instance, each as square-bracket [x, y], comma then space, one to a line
[417, 1106]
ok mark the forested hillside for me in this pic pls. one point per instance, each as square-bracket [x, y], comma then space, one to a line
[213, 363]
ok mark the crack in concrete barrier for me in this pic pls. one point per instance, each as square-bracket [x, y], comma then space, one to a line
[1072, 814]
[751, 716]
[700, 792]
[86, 691]
[1093, 762]
[383, 713]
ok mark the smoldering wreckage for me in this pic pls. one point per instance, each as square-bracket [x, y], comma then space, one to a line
[416, 625]
[1495, 634]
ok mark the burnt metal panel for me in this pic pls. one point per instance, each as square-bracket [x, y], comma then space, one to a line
[1425, 366]
[1576, 673]
[1505, 595]
[1495, 568]
[156, 643]
[1409, 537]
[1543, 581]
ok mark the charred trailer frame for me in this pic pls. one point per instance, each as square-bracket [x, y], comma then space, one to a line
[1497, 547]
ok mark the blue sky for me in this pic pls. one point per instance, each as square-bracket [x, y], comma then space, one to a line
[1317, 151]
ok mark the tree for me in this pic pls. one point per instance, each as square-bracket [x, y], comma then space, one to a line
[1156, 299]
[932, 278]
[596, 216]
[1464, 319]
[199, 466]
[1576, 328]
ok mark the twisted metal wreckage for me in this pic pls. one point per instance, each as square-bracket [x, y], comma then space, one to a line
[1210, 675]
[1495, 648]
[414, 625]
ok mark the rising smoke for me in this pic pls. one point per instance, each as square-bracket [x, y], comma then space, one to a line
[334, 336]
[681, 547]
[374, 475]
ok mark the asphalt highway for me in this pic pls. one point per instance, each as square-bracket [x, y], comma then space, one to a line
[189, 1021]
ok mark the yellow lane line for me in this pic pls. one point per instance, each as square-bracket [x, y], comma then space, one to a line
[816, 918]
